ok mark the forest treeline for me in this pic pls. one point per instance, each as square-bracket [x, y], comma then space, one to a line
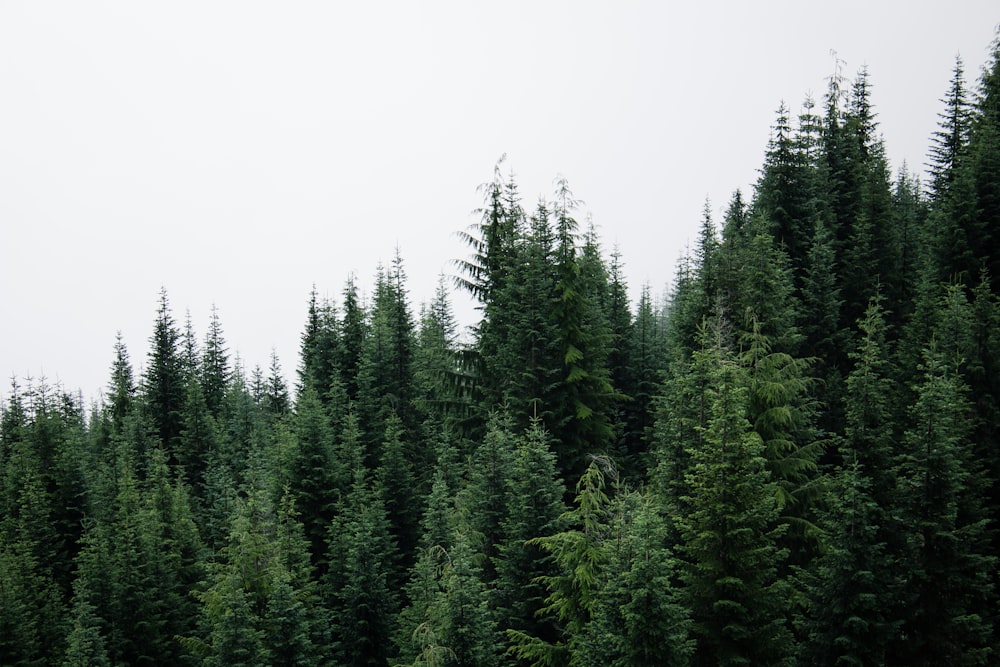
[791, 458]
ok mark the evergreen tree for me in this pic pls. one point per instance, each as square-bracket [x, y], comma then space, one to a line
[948, 557]
[121, 389]
[728, 541]
[215, 369]
[984, 175]
[353, 331]
[85, 645]
[850, 617]
[581, 425]
[164, 382]
[320, 347]
[534, 504]
[309, 470]
[363, 606]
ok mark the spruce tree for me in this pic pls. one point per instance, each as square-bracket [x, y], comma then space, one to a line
[729, 538]
[164, 381]
[948, 558]
[215, 369]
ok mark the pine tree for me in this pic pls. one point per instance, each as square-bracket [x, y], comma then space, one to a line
[782, 195]
[581, 425]
[397, 486]
[164, 382]
[309, 470]
[728, 541]
[580, 558]
[353, 331]
[320, 347]
[121, 389]
[639, 617]
[485, 498]
[357, 590]
[984, 174]
[277, 402]
[948, 558]
[851, 613]
[534, 503]
[198, 438]
[215, 369]
[85, 645]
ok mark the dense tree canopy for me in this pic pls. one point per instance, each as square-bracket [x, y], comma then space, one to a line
[792, 457]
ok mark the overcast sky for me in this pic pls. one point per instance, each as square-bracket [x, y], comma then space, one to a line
[237, 153]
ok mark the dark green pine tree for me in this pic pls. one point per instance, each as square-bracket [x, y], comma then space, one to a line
[514, 360]
[872, 256]
[460, 614]
[728, 544]
[198, 440]
[484, 499]
[782, 193]
[442, 390]
[353, 330]
[638, 619]
[910, 210]
[415, 637]
[949, 244]
[646, 367]
[138, 566]
[869, 429]
[215, 370]
[764, 298]
[85, 645]
[277, 402]
[261, 607]
[950, 142]
[32, 608]
[581, 424]
[385, 380]
[171, 550]
[984, 170]
[698, 284]
[949, 560]
[850, 616]
[492, 241]
[782, 411]
[683, 408]
[534, 504]
[296, 631]
[309, 470]
[320, 347]
[164, 382]
[982, 374]
[356, 588]
[121, 388]
[397, 486]
[580, 558]
[525, 365]
[823, 338]
[736, 231]
[627, 446]
[234, 640]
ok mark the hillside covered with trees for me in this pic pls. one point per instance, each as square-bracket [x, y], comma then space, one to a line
[791, 458]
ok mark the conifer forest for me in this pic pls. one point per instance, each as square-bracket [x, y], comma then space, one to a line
[792, 457]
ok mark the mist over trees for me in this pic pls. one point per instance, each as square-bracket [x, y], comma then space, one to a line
[792, 457]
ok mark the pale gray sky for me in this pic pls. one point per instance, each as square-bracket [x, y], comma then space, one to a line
[239, 152]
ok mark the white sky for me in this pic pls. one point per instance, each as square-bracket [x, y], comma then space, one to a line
[239, 152]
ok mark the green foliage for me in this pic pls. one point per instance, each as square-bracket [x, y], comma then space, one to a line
[728, 538]
[948, 559]
[164, 382]
[407, 505]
